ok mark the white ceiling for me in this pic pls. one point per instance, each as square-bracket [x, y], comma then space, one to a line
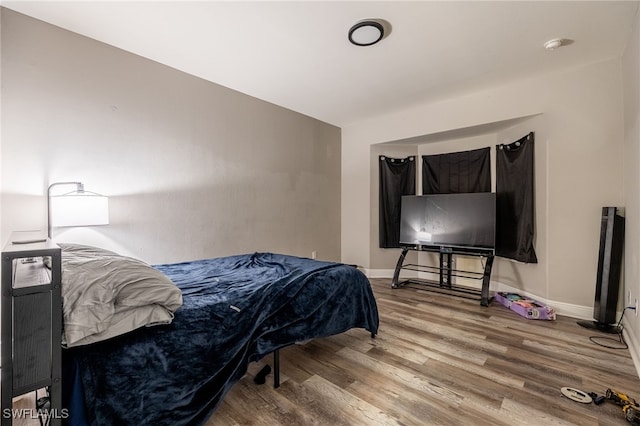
[296, 54]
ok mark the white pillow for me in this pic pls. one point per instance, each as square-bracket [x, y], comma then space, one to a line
[105, 294]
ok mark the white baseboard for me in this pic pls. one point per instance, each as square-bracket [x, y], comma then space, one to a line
[561, 308]
[388, 273]
[379, 273]
[634, 345]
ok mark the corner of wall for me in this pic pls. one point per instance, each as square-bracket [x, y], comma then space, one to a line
[631, 103]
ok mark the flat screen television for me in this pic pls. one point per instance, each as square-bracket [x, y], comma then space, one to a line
[465, 221]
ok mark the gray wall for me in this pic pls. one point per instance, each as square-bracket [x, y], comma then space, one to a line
[192, 169]
[579, 168]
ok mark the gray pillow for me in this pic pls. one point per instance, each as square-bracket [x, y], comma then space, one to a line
[105, 294]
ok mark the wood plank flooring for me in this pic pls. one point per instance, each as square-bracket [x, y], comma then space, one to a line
[438, 360]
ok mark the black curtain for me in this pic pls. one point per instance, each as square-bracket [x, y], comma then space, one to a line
[515, 200]
[457, 172]
[397, 178]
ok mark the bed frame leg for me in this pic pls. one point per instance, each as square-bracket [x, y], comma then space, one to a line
[276, 369]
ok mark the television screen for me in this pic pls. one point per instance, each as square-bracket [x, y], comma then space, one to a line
[455, 220]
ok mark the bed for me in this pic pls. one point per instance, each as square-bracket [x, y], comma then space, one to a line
[178, 363]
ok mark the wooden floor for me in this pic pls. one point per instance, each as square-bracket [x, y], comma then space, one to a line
[439, 360]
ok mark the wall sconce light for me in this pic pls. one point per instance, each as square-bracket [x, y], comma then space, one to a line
[76, 208]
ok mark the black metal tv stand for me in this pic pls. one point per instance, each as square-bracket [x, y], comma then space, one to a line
[445, 271]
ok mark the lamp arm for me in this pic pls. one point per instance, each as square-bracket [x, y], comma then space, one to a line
[80, 187]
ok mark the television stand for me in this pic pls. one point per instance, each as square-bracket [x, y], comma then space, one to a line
[445, 272]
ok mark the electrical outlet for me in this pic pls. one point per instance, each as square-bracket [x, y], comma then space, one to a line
[313, 254]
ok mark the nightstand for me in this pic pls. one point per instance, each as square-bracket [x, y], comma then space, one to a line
[31, 324]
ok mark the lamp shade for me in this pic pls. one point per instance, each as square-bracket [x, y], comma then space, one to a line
[79, 209]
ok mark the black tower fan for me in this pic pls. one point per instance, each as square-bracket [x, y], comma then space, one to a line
[609, 269]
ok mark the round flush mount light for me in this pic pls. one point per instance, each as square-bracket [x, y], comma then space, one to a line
[367, 32]
[555, 43]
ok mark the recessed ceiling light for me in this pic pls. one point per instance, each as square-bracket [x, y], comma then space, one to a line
[366, 33]
[556, 43]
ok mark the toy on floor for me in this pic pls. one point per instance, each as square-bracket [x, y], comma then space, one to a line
[526, 307]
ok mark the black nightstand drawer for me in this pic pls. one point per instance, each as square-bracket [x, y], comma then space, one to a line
[31, 339]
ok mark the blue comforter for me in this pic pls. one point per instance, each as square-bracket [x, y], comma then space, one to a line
[235, 310]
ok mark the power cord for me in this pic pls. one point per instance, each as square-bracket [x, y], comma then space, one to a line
[619, 328]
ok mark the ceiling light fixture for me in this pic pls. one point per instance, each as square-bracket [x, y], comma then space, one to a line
[556, 43]
[367, 32]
